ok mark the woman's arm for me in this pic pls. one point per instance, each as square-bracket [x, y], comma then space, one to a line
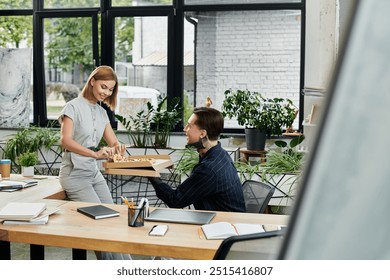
[112, 141]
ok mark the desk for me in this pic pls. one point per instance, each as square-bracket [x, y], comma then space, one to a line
[71, 229]
[46, 188]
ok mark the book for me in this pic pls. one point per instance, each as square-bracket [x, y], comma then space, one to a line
[10, 186]
[98, 212]
[37, 221]
[24, 211]
[222, 230]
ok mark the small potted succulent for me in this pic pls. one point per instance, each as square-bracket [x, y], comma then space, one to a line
[27, 161]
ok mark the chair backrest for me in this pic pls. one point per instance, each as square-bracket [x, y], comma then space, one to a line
[257, 195]
[257, 246]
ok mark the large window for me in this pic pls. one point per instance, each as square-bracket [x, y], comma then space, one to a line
[16, 100]
[192, 49]
[141, 62]
[254, 50]
[68, 60]
[15, 5]
[61, 4]
[140, 2]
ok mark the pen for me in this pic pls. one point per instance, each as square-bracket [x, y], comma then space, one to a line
[200, 234]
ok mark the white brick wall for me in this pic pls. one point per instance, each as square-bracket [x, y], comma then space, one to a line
[255, 50]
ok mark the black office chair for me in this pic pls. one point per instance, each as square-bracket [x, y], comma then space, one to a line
[257, 195]
[257, 246]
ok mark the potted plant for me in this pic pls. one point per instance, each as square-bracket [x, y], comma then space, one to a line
[30, 140]
[159, 120]
[286, 162]
[27, 161]
[261, 117]
[165, 121]
[283, 168]
[138, 126]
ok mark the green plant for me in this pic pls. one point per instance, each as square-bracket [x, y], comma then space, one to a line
[28, 159]
[187, 162]
[246, 170]
[165, 121]
[30, 140]
[138, 127]
[252, 110]
[286, 159]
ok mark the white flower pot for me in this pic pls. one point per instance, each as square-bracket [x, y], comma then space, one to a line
[28, 171]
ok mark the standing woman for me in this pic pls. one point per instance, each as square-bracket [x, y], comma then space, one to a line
[83, 124]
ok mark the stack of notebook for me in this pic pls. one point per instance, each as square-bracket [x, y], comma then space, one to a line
[25, 213]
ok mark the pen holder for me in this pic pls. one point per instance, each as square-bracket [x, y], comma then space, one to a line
[136, 217]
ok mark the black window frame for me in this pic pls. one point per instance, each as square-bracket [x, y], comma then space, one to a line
[175, 14]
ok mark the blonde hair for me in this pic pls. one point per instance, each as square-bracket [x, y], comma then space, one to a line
[104, 73]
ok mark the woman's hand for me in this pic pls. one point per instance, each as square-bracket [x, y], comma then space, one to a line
[105, 152]
[120, 149]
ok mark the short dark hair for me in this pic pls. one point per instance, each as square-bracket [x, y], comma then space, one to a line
[211, 120]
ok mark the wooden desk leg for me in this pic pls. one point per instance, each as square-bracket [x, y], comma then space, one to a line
[37, 252]
[5, 250]
[79, 254]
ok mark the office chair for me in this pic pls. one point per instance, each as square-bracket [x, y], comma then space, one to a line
[257, 246]
[257, 196]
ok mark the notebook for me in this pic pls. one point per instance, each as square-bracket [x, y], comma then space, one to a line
[10, 186]
[98, 211]
[222, 230]
[180, 216]
[24, 211]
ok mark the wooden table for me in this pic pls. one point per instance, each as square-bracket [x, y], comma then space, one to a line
[70, 229]
[46, 188]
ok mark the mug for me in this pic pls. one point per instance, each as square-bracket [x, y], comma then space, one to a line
[5, 168]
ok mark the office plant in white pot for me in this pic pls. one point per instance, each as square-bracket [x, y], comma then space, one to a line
[261, 117]
[27, 161]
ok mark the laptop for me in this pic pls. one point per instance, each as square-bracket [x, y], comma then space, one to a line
[180, 216]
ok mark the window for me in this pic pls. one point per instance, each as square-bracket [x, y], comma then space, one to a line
[15, 5]
[16, 75]
[141, 2]
[58, 4]
[254, 50]
[186, 48]
[140, 62]
[68, 60]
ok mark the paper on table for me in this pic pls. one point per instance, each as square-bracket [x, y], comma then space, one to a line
[37, 221]
[222, 230]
